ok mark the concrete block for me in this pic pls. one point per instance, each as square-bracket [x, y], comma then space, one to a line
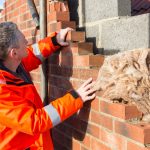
[102, 9]
[126, 33]
[93, 33]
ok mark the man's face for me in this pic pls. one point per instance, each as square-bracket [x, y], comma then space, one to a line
[22, 43]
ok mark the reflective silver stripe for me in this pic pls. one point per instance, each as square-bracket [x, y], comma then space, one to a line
[37, 52]
[53, 114]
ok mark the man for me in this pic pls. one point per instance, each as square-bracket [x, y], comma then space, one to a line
[24, 121]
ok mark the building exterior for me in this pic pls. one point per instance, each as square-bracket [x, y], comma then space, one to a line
[111, 26]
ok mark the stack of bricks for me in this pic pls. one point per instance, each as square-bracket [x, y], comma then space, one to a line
[100, 124]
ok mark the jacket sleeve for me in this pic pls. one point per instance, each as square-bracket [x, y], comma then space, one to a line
[22, 115]
[39, 51]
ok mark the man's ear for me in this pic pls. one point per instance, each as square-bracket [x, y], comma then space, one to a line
[13, 53]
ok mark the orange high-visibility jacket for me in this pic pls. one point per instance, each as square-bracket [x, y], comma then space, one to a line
[24, 121]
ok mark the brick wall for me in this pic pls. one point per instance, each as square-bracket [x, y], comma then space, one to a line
[100, 124]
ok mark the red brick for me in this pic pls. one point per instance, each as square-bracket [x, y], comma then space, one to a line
[19, 3]
[56, 92]
[64, 6]
[96, 145]
[76, 36]
[116, 142]
[87, 141]
[60, 82]
[76, 145]
[102, 120]
[96, 60]
[78, 61]
[27, 33]
[54, 6]
[119, 110]
[22, 26]
[53, 27]
[78, 48]
[93, 130]
[79, 73]
[95, 104]
[76, 83]
[23, 8]
[84, 148]
[138, 132]
[58, 16]
[58, 6]
[30, 24]
[15, 13]
[132, 146]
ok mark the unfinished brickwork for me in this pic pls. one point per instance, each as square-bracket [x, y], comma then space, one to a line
[100, 124]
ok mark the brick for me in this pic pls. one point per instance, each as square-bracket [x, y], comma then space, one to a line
[78, 61]
[76, 83]
[95, 104]
[102, 120]
[58, 16]
[84, 148]
[132, 146]
[54, 6]
[86, 141]
[56, 92]
[22, 26]
[64, 6]
[78, 48]
[15, 13]
[60, 82]
[20, 3]
[80, 73]
[93, 130]
[139, 132]
[53, 27]
[23, 8]
[120, 110]
[76, 145]
[24, 17]
[96, 60]
[30, 24]
[58, 6]
[116, 142]
[76, 36]
[27, 33]
[96, 145]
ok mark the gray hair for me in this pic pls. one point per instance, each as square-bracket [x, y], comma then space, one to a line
[8, 38]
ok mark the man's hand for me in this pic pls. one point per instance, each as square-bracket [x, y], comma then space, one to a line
[85, 91]
[62, 35]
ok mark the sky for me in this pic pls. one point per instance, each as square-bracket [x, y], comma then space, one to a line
[1, 3]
